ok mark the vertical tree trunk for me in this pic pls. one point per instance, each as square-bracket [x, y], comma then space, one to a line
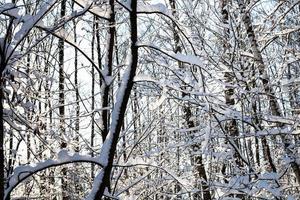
[48, 124]
[28, 113]
[29, 117]
[77, 108]
[11, 153]
[76, 88]
[107, 70]
[199, 167]
[2, 176]
[62, 80]
[231, 126]
[93, 98]
[61, 108]
[265, 145]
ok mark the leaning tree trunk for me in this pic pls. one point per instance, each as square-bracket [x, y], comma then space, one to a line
[118, 114]
[275, 110]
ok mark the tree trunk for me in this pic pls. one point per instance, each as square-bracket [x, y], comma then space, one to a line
[93, 99]
[274, 107]
[107, 71]
[120, 106]
[77, 148]
[199, 167]
[63, 144]
[2, 176]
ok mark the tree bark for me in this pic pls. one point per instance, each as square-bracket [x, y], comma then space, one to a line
[77, 147]
[108, 70]
[231, 126]
[199, 167]
[93, 100]
[121, 104]
[274, 107]
[63, 144]
[2, 177]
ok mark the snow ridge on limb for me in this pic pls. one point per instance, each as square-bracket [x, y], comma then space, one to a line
[189, 59]
[63, 157]
[154, 8]
[8, 8]
[100, 12]
[59, 34]
[28, 23]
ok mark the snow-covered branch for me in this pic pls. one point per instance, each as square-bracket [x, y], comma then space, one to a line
[64, 157]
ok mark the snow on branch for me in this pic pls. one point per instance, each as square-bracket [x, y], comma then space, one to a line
[154, 8]
[28, 21]
[102, 12]
[64, 157]
[8, 8]
[145, 78]
[96, 185]
[189, 59]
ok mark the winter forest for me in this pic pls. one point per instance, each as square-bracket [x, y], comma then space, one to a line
[150, 99]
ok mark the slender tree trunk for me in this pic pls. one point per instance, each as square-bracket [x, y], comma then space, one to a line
[77, 148]
[2, 176]
[63, 144]
[11, 153]
[62, 81]
[77, 108]
[28, 113]
[93, 99]
[48, 124]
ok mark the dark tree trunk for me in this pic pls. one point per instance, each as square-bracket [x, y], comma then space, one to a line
[274, 107]
[62, 80]
[2, 177]
[63, 144]
[77, 148]
[93, 99]
[121, 104]
[108, 71]
[199, 168]
[231, 126]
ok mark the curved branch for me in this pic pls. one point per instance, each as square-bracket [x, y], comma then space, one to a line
[23, 172]
[188, 59]
[91, 9]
